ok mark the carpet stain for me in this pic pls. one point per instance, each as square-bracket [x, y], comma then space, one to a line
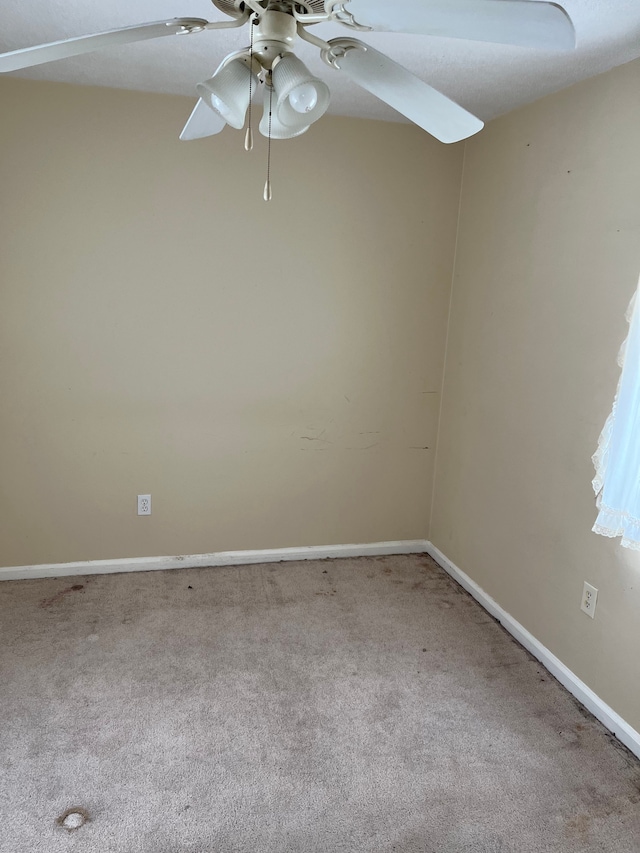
[47, 602]
[627, 757]
[72, 819]
[578, 827]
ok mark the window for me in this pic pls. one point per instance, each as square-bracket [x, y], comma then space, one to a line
[617, 459]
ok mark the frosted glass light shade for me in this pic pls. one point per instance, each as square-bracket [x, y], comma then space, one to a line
[278, 130]
[227, 92]
[292, 81]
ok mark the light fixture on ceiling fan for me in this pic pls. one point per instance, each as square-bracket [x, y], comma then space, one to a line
[294, 98]
[300, 98]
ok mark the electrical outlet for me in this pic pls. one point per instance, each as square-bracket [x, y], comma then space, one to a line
[589, 599]
[144, 504]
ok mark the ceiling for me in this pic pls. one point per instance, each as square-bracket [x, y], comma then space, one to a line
[486, 79]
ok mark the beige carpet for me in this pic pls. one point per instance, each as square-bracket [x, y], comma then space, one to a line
[351, 705]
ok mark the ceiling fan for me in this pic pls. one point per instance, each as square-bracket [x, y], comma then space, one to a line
[294, 98]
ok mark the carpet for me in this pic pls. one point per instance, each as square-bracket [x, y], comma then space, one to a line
[362, 705]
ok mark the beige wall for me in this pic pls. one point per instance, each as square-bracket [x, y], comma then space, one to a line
[548, 257]
[268, 373]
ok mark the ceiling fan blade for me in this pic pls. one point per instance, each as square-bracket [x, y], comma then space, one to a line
[29, 56]
[402, 90]
[202, 122]
[527, 23]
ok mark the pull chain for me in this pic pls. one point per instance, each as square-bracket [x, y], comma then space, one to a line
[248, 139]
[267, 187]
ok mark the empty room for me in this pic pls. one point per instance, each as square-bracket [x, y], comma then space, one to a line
[320, 426]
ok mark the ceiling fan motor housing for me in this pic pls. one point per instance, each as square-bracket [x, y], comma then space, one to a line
[234, 8]
[237, 8]
[274, 34]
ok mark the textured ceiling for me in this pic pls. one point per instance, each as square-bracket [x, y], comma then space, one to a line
[487, 79]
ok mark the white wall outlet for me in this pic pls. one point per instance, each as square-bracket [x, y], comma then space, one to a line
[589, 599]
[144, 504]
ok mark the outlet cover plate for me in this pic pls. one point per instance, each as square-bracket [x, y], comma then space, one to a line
[589, 599]
[144, 504]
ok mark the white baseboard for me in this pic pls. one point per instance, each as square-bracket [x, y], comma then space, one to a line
[220, 558]
[625, 733]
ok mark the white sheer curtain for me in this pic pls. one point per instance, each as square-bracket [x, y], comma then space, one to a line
[617, 459]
